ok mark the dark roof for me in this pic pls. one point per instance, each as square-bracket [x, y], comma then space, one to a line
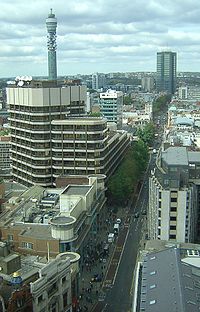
[168, 283]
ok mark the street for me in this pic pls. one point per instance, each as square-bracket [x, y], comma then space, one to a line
[118, 286]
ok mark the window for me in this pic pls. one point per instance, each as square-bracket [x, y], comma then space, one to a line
[27, 245]
[172, 236]
[153, 273]
[159, 213]
[10, 237]
[63, 280]
[173, 200]
[40, 298]
[173, 209]
[65, 299]
[172, 227]
[172, 218]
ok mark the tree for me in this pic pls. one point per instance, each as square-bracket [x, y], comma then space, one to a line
[147, 133]
[127, 100]
[160, 104]
[127, 175]
[95, 114]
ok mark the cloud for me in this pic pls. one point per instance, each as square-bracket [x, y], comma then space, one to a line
[98, 36]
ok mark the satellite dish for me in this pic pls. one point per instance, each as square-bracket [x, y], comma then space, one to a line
[20, 83]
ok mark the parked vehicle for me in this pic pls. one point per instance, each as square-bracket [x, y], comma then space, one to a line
[118, 221]
[111, 237]
[136, 215]
[106, 250]
[116, 228]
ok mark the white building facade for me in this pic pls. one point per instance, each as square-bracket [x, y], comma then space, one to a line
[173, 196]
[111, 106]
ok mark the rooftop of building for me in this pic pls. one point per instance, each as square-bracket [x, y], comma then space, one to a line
[83, 120]
[170, 277]
[63, 220]
[175, 156]
[77, 190]
[38, 231]
[184, 121]
[28, 82]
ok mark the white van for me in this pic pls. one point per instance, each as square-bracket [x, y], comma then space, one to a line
[111, 237]
[116, 228]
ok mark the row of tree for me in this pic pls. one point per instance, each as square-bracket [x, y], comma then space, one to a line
[122, 184]
[160, 104]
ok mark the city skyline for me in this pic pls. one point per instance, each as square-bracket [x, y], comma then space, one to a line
[105, 37]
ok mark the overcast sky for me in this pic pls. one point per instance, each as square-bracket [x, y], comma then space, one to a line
[98, 35]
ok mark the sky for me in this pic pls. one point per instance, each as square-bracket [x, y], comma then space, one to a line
[98, 35]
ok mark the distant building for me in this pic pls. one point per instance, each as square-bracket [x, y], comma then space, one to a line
[166, 72]
[147, 84]
[51, 24]
[183, 93]
[111, 106]
[98, 81]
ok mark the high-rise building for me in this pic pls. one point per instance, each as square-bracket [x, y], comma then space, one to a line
[147, 84]
[51, 24]
[45, 143]
[98, 81]
[84, 145]
[166, 72]
[32, 109]
[111, 103]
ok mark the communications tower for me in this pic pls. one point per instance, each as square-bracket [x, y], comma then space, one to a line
[51, 24]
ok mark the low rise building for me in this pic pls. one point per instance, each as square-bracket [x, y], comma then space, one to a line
[41, 284]
[49, 221]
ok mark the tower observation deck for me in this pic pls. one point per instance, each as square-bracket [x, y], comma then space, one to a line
[51, 24]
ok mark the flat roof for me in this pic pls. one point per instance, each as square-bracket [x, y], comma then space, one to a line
[194, 157]
[176, 156]
[77, 190]
[38, 231]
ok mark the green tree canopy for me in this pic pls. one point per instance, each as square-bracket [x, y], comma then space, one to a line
[160, 104]
[147, 133]
[127, 100]
[127, 175]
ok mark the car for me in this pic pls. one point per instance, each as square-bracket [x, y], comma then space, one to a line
[136, 215]
[118, 221]
[102, 296]
[96, 278]
[144, 212]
